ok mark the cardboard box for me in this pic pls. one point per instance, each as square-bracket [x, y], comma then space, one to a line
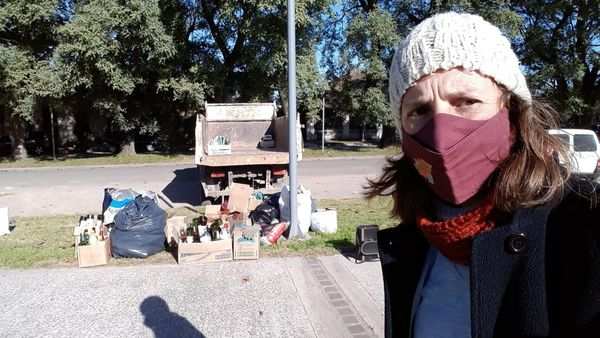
[212, 212]
[215, 251]
[253, 203]
[93, 255]
[239, 197]
[246, 242]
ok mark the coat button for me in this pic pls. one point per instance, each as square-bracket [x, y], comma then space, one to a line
[516, 243]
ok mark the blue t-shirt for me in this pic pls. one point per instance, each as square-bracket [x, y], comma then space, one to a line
[442, 302]
[442, 305]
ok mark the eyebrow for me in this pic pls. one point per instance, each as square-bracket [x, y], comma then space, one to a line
[418, 100]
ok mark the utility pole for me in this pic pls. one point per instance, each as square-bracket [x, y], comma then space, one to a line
[291, 36]
[52, 133]
[323, 126]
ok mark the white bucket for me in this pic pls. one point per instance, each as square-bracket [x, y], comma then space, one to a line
[4, 221]
[324, 220]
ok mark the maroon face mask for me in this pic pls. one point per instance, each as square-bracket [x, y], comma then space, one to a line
[456, 155]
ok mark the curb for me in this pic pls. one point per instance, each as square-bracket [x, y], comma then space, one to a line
[92, 166]
[164, 164]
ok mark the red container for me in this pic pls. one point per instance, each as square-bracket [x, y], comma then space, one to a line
[276, 232]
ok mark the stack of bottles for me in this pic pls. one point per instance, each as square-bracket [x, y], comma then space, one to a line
[90, 230]
[200, 231]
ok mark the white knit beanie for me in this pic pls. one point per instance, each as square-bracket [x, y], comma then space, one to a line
[450, 40]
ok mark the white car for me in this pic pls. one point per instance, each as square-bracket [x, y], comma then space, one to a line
[584, 149]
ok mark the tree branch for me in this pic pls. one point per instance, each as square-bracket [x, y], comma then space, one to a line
[209, 16]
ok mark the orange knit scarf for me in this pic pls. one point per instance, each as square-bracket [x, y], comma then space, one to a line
[453, 237]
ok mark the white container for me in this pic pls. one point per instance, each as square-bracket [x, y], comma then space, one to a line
[324, 220]
[4, 230]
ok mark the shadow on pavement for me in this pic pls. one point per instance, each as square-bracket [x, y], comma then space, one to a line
[163, 322]
[185, 187]
[344, 246]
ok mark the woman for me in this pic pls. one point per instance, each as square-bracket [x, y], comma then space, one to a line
[496, 239]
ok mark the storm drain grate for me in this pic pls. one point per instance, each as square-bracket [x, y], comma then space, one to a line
[338, 300]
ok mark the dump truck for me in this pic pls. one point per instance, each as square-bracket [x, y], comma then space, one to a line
[243, 143]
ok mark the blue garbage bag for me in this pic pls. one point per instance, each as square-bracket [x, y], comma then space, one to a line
[139, 229]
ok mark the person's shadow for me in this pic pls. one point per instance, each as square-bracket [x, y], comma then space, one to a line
[163, 322]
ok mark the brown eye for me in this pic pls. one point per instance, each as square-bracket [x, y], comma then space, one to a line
[420, 111]
[465, 102]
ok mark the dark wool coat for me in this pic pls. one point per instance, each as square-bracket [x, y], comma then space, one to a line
[536, 275]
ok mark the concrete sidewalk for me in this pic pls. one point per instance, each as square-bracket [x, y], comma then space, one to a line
[273, 297]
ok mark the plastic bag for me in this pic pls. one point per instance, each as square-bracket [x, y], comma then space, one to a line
[114, 201]
[139, 229]
[324, 220]
[150, 194]
[304, 207]
[265, 214]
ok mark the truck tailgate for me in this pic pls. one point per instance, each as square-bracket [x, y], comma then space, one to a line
[254, 158]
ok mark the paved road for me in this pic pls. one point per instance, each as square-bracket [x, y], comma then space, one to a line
[80, 190]
[274, 297]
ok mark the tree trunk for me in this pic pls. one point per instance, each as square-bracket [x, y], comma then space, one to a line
[363, 133]
[346, 127]
[128, 146]
[379, 131]
[311, 134]
[17, 135]
[388, 137]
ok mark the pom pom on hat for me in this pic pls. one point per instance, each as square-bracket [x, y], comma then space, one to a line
[449, 40]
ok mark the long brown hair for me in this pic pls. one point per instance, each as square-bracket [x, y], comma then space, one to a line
[531, 175]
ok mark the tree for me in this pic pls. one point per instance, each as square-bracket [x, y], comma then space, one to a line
[26, 44]
[369, 36]
[115, 57]
[362, 35]
[560, 48]
[244, 48]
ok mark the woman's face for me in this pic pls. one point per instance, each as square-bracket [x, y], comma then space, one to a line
[455, 92]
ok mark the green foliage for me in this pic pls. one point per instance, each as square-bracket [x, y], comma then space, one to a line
[559, 48]
[114, 46]
[311, 86]
[245, 48]
[29, 24]
[127, 68]
[119, 56]
[26, 43]
[17, 67]
[367, 50]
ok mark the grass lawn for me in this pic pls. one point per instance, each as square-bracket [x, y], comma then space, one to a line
[334, 150]
[358, 151]
[351, 213]
[48, 241]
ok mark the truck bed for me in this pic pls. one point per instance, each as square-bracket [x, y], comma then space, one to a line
[245, 136]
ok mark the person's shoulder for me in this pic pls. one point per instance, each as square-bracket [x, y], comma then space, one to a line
[580, 202]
